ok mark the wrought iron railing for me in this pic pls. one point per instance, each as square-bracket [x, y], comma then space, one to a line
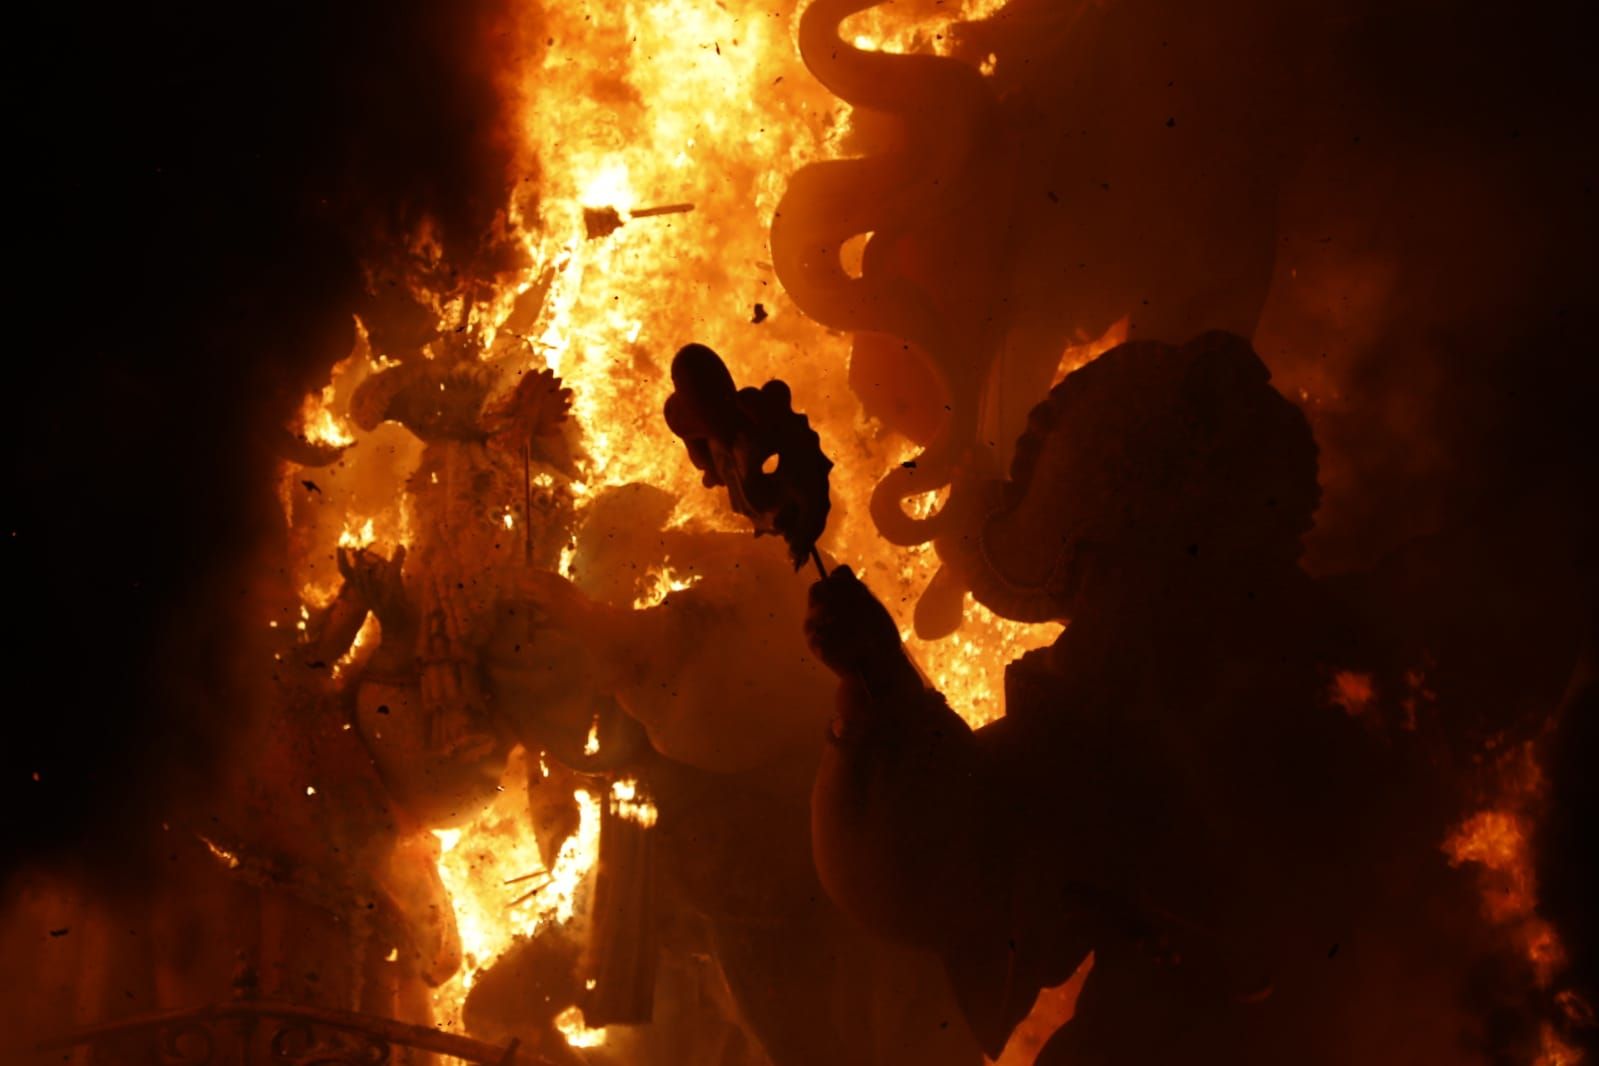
[262, 1032]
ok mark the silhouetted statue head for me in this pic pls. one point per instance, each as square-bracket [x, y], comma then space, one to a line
[1147, 468]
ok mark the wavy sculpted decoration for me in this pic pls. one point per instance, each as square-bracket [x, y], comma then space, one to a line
[930, 269]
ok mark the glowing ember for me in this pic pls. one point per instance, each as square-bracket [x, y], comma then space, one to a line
[1353, 691]
[1497, 842]
[883, 29]
[221, 854]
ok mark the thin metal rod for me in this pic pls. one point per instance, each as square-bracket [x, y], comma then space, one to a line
[524, 897]
[529, 877]
[664, 209]
[527, 504]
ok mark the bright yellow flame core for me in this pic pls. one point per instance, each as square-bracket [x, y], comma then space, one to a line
[357, 535]
[925, 28]
[577, 1033]
[485, 866]
[628, 801]
[320, 425]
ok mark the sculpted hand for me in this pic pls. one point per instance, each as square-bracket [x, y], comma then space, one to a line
[849, 630]
[379, 582]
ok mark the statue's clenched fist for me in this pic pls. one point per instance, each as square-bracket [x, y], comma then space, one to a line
[848, 629]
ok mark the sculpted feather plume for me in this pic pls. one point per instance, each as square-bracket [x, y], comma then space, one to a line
[755, 444]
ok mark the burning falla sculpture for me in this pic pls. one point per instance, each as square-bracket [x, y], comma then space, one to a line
[1168, 789]
[419, 705]
[438, 612]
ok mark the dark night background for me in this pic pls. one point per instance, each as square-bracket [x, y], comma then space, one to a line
[203, 183]
[204, 186]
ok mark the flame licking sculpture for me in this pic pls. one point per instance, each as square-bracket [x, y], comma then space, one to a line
[1067, 752]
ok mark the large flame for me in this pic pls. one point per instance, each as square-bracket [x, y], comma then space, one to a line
[627, 106]
[486, 865]
[681, 102]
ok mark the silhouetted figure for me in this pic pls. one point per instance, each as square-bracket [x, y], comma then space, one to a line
[1169, 789]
